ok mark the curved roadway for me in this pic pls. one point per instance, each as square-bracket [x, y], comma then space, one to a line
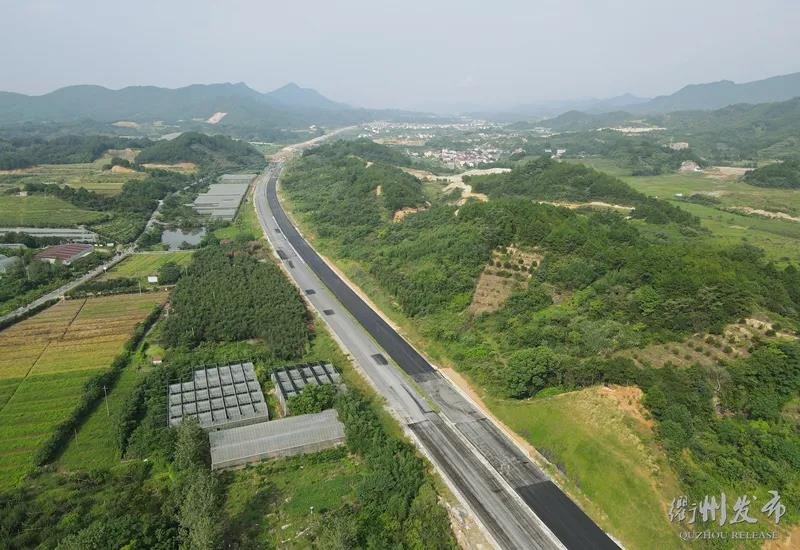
[514, 501]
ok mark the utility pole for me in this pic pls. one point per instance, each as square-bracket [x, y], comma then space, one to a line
[105, 391]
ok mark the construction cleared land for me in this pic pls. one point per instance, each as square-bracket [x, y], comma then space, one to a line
[45, 361]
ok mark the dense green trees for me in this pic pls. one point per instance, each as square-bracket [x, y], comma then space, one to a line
[784, 174]
[169, 273]
[312, 399]
[549, 180]
[396, 507]
[227, 295]
[363, 148]
[209, 152]
[25, 152]
[602, 286]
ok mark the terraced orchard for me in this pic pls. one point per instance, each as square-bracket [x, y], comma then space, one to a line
[44, 362]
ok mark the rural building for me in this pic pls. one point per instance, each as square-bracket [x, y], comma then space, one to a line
[7, 262]
[219, 397]
[65, 253]
[152, 279]
[289, 381]
[679, 145]
[289, 436]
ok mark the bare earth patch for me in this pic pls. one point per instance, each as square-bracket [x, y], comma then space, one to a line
[179, 166]
[507, 269]
[591, 204]
[725, 172]
[216, 117]
[121, 170]
[764, 213]
[457, 181]
[403, 212]
[791, 541]
[706, 349]
[491, 292]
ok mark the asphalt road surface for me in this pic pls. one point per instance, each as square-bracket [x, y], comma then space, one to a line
[514, 501]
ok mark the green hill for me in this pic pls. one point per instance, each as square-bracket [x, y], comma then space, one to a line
[219, 152]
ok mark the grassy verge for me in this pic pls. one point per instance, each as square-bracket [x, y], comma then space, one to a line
[606, 454]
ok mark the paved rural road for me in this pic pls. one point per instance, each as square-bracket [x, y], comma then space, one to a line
[515, 502]
[60, 291]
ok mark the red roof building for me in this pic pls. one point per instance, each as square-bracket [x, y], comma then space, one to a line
[64, 253]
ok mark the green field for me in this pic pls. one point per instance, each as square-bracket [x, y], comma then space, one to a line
[139, 266]
[245, 223]
[730, 191]
[271, 505]
[88, 175]
[779, 238]
[44, 362]
[95, 445]
[42, 211]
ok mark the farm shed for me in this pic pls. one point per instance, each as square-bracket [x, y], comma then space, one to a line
[222, 199]
[289, 381]
[278, 438]
[65, 253]
[219, 397]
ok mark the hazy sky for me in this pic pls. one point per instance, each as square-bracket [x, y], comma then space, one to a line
[409, 53]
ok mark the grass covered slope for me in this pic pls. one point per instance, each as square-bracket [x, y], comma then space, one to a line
[140, 266]
[601, 443]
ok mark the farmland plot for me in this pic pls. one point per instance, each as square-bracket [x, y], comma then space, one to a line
[140, 266]
[44, 362]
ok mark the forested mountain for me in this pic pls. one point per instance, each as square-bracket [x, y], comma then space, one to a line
[734, 133]
[295, 96]
[25, 152]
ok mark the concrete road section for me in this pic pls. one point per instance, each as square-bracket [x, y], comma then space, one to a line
[513, 500]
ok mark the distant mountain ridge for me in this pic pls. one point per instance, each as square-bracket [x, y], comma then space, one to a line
[715, 95]
[288, 105]
[694, 97]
